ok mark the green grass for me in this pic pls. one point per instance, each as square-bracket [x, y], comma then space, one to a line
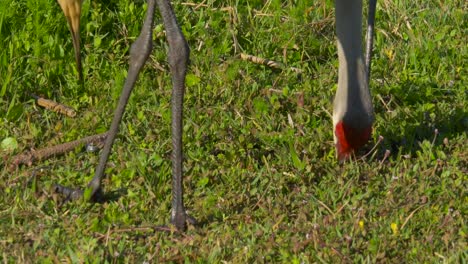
[261, 173]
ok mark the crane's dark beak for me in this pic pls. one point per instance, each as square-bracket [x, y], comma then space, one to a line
[72, 11]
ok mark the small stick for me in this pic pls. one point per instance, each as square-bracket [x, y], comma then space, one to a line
[28, 157]
[436, 133]
[267, 62]
[381, 138]
[195, 5]
[386, 155]
[54, 106]
[410, 216]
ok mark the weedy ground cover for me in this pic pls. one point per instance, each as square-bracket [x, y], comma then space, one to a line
[261, 173]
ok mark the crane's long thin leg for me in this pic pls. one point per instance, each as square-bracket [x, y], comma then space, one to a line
[370, 36]
[178, 59]
[139, 53]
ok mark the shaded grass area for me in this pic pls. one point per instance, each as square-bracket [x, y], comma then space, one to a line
[261, 173]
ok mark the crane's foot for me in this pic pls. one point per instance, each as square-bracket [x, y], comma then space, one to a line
[76, 194]
[180, 221]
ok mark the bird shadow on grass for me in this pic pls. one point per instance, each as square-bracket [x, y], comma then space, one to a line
[411, 142]
[112, 196]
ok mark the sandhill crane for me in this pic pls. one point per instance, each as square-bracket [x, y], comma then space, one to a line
[352, 115]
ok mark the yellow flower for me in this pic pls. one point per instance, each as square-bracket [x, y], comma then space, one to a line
[390, 54]
[394, 227]
[361, 224]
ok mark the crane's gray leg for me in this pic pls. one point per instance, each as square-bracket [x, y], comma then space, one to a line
[370, 36]
[178, 59]
[139, 53]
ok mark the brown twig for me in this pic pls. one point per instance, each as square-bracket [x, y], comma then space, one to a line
[381, 138]
[267, 62]
[410, 216]
[54, 106]
[195, 5]
[28, 157]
